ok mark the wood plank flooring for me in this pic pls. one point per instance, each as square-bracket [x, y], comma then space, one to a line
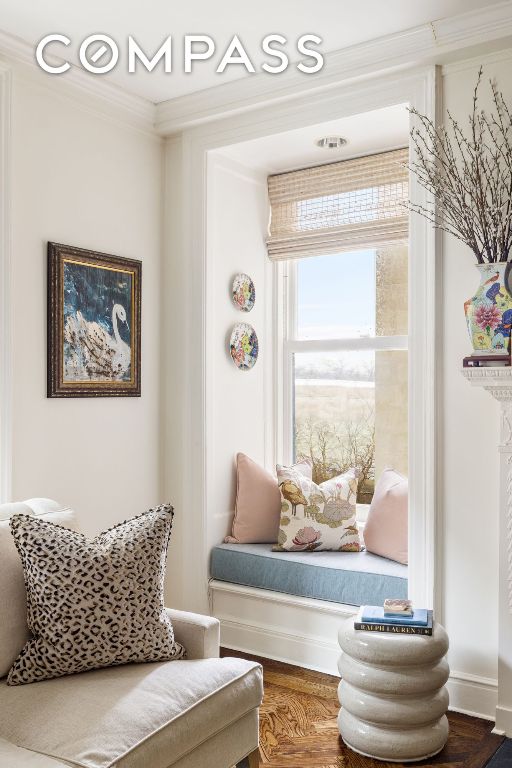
[298, 726]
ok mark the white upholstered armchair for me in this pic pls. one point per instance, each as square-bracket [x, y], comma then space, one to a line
[199, 712]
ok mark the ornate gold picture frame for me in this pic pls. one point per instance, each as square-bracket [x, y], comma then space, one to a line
[94, 324]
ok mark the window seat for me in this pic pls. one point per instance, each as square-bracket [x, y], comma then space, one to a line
[351, 578]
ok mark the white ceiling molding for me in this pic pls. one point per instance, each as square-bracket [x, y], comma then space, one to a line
[418, 45]
[424, 44]
[474, 62]
[134, 110]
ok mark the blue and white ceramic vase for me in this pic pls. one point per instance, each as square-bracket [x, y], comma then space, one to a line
[489, 312]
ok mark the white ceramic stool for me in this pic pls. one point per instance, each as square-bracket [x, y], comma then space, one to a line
[392, 693]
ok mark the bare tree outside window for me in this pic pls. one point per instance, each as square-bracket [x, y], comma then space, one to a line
[334, 450]
[335, 424]
[350, 398]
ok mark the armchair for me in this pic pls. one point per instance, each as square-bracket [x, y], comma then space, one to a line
[199, 712]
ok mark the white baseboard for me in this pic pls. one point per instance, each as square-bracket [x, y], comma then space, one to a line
[297, 630]
[503, 721]
[318, 655]
[304, 632]
[473, 695]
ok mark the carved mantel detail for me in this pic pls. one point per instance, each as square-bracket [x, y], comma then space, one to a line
[498, 382]
[509, 528]
[506, 425]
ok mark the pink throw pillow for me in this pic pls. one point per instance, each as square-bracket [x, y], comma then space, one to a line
[386, 530]
[258, 503]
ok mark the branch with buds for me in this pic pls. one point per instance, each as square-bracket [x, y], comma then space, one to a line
[468, 175]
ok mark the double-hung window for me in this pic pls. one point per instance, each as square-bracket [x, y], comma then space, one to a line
[340, 235]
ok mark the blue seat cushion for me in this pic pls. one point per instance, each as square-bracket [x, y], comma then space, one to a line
[352, 578]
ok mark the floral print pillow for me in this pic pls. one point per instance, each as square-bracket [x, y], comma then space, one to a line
[315, 517]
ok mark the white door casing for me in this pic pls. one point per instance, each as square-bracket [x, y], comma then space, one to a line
[417, 87]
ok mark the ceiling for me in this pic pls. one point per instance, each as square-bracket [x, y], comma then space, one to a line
[340, 23]
[366, 133]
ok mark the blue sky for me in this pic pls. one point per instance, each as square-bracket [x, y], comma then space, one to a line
[336, 295]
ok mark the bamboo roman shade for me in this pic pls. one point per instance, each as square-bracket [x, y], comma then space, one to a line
[345, 206]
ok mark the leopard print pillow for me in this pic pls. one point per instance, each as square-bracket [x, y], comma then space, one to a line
[93, 603]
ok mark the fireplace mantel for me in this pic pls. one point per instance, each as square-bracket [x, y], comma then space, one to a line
[498, 381]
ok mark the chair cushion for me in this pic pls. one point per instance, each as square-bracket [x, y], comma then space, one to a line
[352, 578]
[386, 529]
[96, 603]
[130, 716]
[14, 631]
[12, 756]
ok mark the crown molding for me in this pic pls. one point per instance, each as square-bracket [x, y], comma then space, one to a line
[475, 27]
[464, 65]
[134, 110]
[423, 44]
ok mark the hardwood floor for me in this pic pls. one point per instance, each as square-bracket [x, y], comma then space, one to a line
[298, 726]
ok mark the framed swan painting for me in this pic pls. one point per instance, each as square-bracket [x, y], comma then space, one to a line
[94, 323]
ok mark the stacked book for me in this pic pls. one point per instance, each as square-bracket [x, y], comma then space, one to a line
[396, 616]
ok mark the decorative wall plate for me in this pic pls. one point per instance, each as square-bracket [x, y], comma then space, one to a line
[243, 292]
[243, 346]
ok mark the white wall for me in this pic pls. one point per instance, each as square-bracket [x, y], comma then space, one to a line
[468, 431]
[237, 219]
[87, 180]
[469, 438]
[237, 410]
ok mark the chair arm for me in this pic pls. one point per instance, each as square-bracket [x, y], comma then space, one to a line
[200, 635]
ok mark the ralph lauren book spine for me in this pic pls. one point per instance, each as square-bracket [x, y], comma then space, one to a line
[393, 628]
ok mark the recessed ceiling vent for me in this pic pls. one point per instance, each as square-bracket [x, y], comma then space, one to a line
[331, 142]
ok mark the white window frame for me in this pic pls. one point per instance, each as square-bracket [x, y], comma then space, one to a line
[291, 344]
[425, 575]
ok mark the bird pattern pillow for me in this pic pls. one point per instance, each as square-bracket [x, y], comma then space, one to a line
[316, 517]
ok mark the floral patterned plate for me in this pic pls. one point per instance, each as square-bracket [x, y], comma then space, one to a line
[243, 346]
[243, 292]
